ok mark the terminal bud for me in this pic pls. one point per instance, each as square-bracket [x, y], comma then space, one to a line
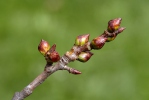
[114, 24]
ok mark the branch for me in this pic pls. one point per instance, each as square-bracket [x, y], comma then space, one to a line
[80, 51]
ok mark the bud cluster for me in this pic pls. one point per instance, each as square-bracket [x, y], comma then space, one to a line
[50, 54]
[82, 44]
[83, 40]
[113, 29]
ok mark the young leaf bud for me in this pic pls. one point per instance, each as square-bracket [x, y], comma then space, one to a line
[98, 43]
[81, 40]
[54, 56]
[43, 47]
[84, 56]
[114, 24]
[53, 48]
[121, 29]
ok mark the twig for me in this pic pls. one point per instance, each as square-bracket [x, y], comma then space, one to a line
[80, 51]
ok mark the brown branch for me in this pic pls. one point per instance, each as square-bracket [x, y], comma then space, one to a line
[80, 51]
[49, 69]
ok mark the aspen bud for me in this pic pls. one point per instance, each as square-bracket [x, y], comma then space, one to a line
[81, 40]
[43, 47]
[98, 43]
[84, 56]
[54, 56]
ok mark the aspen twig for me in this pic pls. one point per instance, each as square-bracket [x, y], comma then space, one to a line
[80, 51]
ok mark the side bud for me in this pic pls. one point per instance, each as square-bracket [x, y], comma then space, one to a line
[43, 47]
[109, 39]
[121, 30]
[81, 40]
[84, 56]
[54, 56]
[114, 24]
[98, 43]
[114, 34]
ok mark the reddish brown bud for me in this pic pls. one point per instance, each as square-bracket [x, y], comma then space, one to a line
[81, 40]
[114, 24]
[98, 43]
[84, 56]
[43, 47]
[54, 56]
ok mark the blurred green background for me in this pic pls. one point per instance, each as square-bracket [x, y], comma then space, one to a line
[119, 71]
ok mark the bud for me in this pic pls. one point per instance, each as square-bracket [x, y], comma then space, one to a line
[81, 40]
[74, 71]
[43, 47]
[114, 24]
[53, 48]
[98, 43]
[121, 29]
[114, 34]
[54, 56]
[84, 56]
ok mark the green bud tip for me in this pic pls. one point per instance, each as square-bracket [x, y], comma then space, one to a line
[43, 47]
[82, 39]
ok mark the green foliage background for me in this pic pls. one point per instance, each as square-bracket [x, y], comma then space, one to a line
[119, 71]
